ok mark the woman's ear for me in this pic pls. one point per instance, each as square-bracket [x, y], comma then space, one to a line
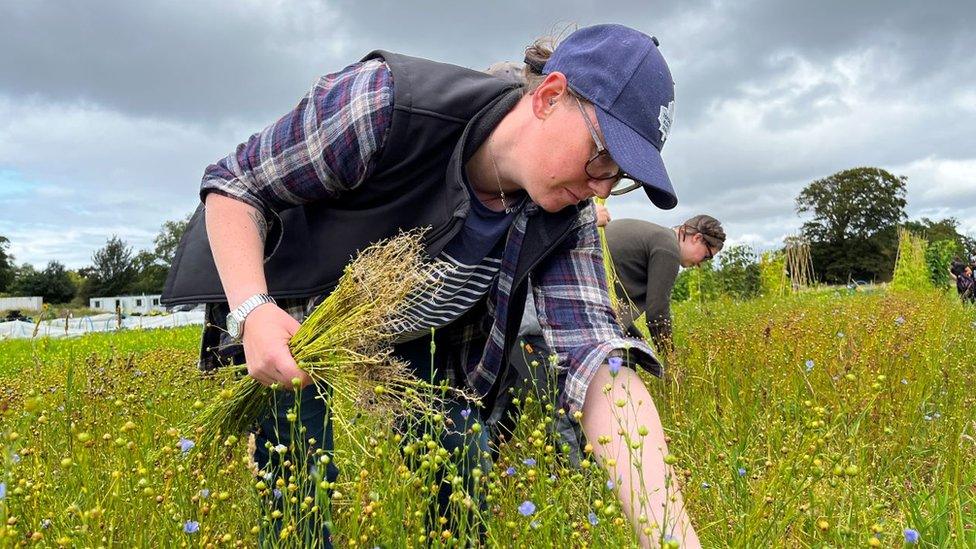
[547, 95]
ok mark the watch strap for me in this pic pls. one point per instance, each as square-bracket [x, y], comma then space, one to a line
[246, 307]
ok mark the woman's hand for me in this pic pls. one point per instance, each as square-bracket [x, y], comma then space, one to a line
[236, 231]
[267, 331]
[602, 215]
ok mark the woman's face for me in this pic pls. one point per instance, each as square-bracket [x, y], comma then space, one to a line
[560, 144]
[693, 250]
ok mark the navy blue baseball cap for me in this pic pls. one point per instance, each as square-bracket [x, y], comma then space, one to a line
[623, 74]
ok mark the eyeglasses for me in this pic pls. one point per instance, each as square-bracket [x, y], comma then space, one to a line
[601, 166]
[708, 248]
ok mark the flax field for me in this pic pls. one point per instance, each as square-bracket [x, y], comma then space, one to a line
[824, 419]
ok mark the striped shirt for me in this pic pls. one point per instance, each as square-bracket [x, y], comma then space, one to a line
[468, 267]
[328, 144]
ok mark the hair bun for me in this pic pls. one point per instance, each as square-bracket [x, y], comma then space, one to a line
[537, 65]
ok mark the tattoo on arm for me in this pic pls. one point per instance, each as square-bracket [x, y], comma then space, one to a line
[261, 224]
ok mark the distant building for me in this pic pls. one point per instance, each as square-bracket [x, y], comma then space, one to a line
[128, 303]
[34, 303]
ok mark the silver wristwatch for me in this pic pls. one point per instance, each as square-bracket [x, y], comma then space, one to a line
[235, 319]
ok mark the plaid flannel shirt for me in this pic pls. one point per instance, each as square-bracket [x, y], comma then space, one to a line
[327, 145]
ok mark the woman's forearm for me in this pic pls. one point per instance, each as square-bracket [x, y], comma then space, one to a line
[646, 487]
[237, 232]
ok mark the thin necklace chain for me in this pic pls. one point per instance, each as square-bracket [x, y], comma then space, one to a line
[498, 178]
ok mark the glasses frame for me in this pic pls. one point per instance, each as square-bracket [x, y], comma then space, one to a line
[602, 150]
[711, 254]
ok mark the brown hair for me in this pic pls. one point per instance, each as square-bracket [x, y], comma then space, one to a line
[536, 56]
[709, 227]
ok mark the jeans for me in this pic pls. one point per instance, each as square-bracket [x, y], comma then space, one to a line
[274, 429]
[536, 377]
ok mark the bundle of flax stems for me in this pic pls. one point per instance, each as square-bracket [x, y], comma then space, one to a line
[344, 345]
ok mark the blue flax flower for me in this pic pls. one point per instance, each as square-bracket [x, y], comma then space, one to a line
[465, 413]
[3, 490]
[911, 536]
[592, 518]
[610, 485]
[615, 363]
[186, 444]
[529, 461]
[277, 493]
[809, 365]
[742, 471]
[527, 508]
[191, 527]
[510, 471]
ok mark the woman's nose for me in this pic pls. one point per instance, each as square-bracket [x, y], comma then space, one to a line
[601, 187]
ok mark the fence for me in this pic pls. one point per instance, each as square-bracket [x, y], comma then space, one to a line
[107, 322]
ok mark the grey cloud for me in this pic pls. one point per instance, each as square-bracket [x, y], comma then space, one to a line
[196, 61]
[111, 110]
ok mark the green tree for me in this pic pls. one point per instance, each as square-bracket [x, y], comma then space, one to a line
[738, 274]
[168, 240]
[938, 257]
[85, 285]
[113, 269]
[150, 274]
[943, 229]
[151, 267]
[24, 280]
[53, 283]
[945, 244]
[7, 267]
[853, 232]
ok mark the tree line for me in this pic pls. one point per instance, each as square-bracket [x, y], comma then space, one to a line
[854, 218]
[115, 269]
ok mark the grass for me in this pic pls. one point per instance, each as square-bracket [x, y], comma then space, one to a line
[827, 419]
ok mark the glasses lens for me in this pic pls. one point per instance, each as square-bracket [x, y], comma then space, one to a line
[624, 186]
[602, 166]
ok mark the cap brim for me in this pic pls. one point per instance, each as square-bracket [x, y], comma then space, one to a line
[639, 158]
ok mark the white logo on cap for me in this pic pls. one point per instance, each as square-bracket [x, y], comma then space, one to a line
[664, 119]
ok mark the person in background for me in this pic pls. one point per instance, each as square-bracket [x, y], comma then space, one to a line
[646, 258]
[965, 283]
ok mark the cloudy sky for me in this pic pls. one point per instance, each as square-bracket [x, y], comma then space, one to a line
[110, 111]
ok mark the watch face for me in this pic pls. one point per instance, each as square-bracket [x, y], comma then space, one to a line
[233, 327]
